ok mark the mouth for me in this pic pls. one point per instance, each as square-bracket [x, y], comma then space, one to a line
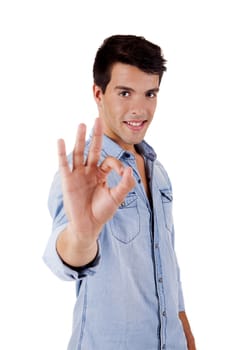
[135, 125]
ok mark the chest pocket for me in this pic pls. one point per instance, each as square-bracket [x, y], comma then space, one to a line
[166, 197]
[125, 223]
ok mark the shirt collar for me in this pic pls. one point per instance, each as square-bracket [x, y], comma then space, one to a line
[111, 148]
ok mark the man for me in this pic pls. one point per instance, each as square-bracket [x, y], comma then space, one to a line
[112, 222]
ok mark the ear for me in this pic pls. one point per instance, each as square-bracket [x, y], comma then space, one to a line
[97, 93]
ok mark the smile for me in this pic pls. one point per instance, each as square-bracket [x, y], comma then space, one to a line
[135, 123]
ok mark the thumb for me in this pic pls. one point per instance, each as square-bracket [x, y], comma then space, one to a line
[126, 184]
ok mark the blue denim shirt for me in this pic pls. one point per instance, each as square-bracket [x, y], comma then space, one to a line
[130, 299]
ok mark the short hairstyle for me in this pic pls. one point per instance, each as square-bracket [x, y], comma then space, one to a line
[129, 49]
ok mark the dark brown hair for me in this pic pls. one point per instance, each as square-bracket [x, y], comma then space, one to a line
[128, 49]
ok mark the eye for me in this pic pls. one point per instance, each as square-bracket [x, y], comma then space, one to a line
[124, 93]
[151, 94]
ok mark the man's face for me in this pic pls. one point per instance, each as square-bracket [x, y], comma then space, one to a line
[127, 107]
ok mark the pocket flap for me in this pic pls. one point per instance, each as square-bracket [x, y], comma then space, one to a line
[166, 195]
[129, 201]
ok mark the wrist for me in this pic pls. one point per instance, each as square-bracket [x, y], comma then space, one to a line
[81, 241]
[75, 251]
[94, 262]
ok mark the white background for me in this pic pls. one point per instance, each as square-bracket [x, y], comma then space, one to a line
[47, 51]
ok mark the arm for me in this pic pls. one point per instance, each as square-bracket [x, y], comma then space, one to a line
[89, 203]
[187, 331]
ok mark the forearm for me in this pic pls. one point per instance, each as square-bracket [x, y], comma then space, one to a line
[187, 331]
[73, 251]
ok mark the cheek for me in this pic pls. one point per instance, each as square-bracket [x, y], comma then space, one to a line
[112, 107]
[152, 109]
[117, 112]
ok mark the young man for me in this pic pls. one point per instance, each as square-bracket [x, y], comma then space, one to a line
[112, 218]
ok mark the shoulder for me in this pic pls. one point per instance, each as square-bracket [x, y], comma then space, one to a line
[161, 175]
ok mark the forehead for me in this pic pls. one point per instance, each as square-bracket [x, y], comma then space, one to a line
[127, 75]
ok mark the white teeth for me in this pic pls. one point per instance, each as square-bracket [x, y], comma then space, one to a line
[134, 123]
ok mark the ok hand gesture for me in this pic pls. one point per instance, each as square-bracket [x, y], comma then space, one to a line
[89, 202]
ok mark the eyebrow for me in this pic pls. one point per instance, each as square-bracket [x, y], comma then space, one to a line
[122, 87]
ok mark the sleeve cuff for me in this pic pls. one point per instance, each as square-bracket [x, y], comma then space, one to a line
[82, 270]
[62, 270]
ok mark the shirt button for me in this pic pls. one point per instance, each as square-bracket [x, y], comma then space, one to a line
[160, 280]
[164, 313]
[127, 155]
[156, 246]
[139, 181]
[164, 346]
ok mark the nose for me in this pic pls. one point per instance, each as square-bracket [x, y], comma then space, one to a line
[138, 107]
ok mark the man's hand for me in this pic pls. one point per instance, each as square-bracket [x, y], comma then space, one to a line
[187, 330]
[89, 202]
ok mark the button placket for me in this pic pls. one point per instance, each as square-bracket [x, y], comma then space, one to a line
[159, 283]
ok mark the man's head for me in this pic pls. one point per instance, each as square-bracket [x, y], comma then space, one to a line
[127, 74]
[129, 49]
